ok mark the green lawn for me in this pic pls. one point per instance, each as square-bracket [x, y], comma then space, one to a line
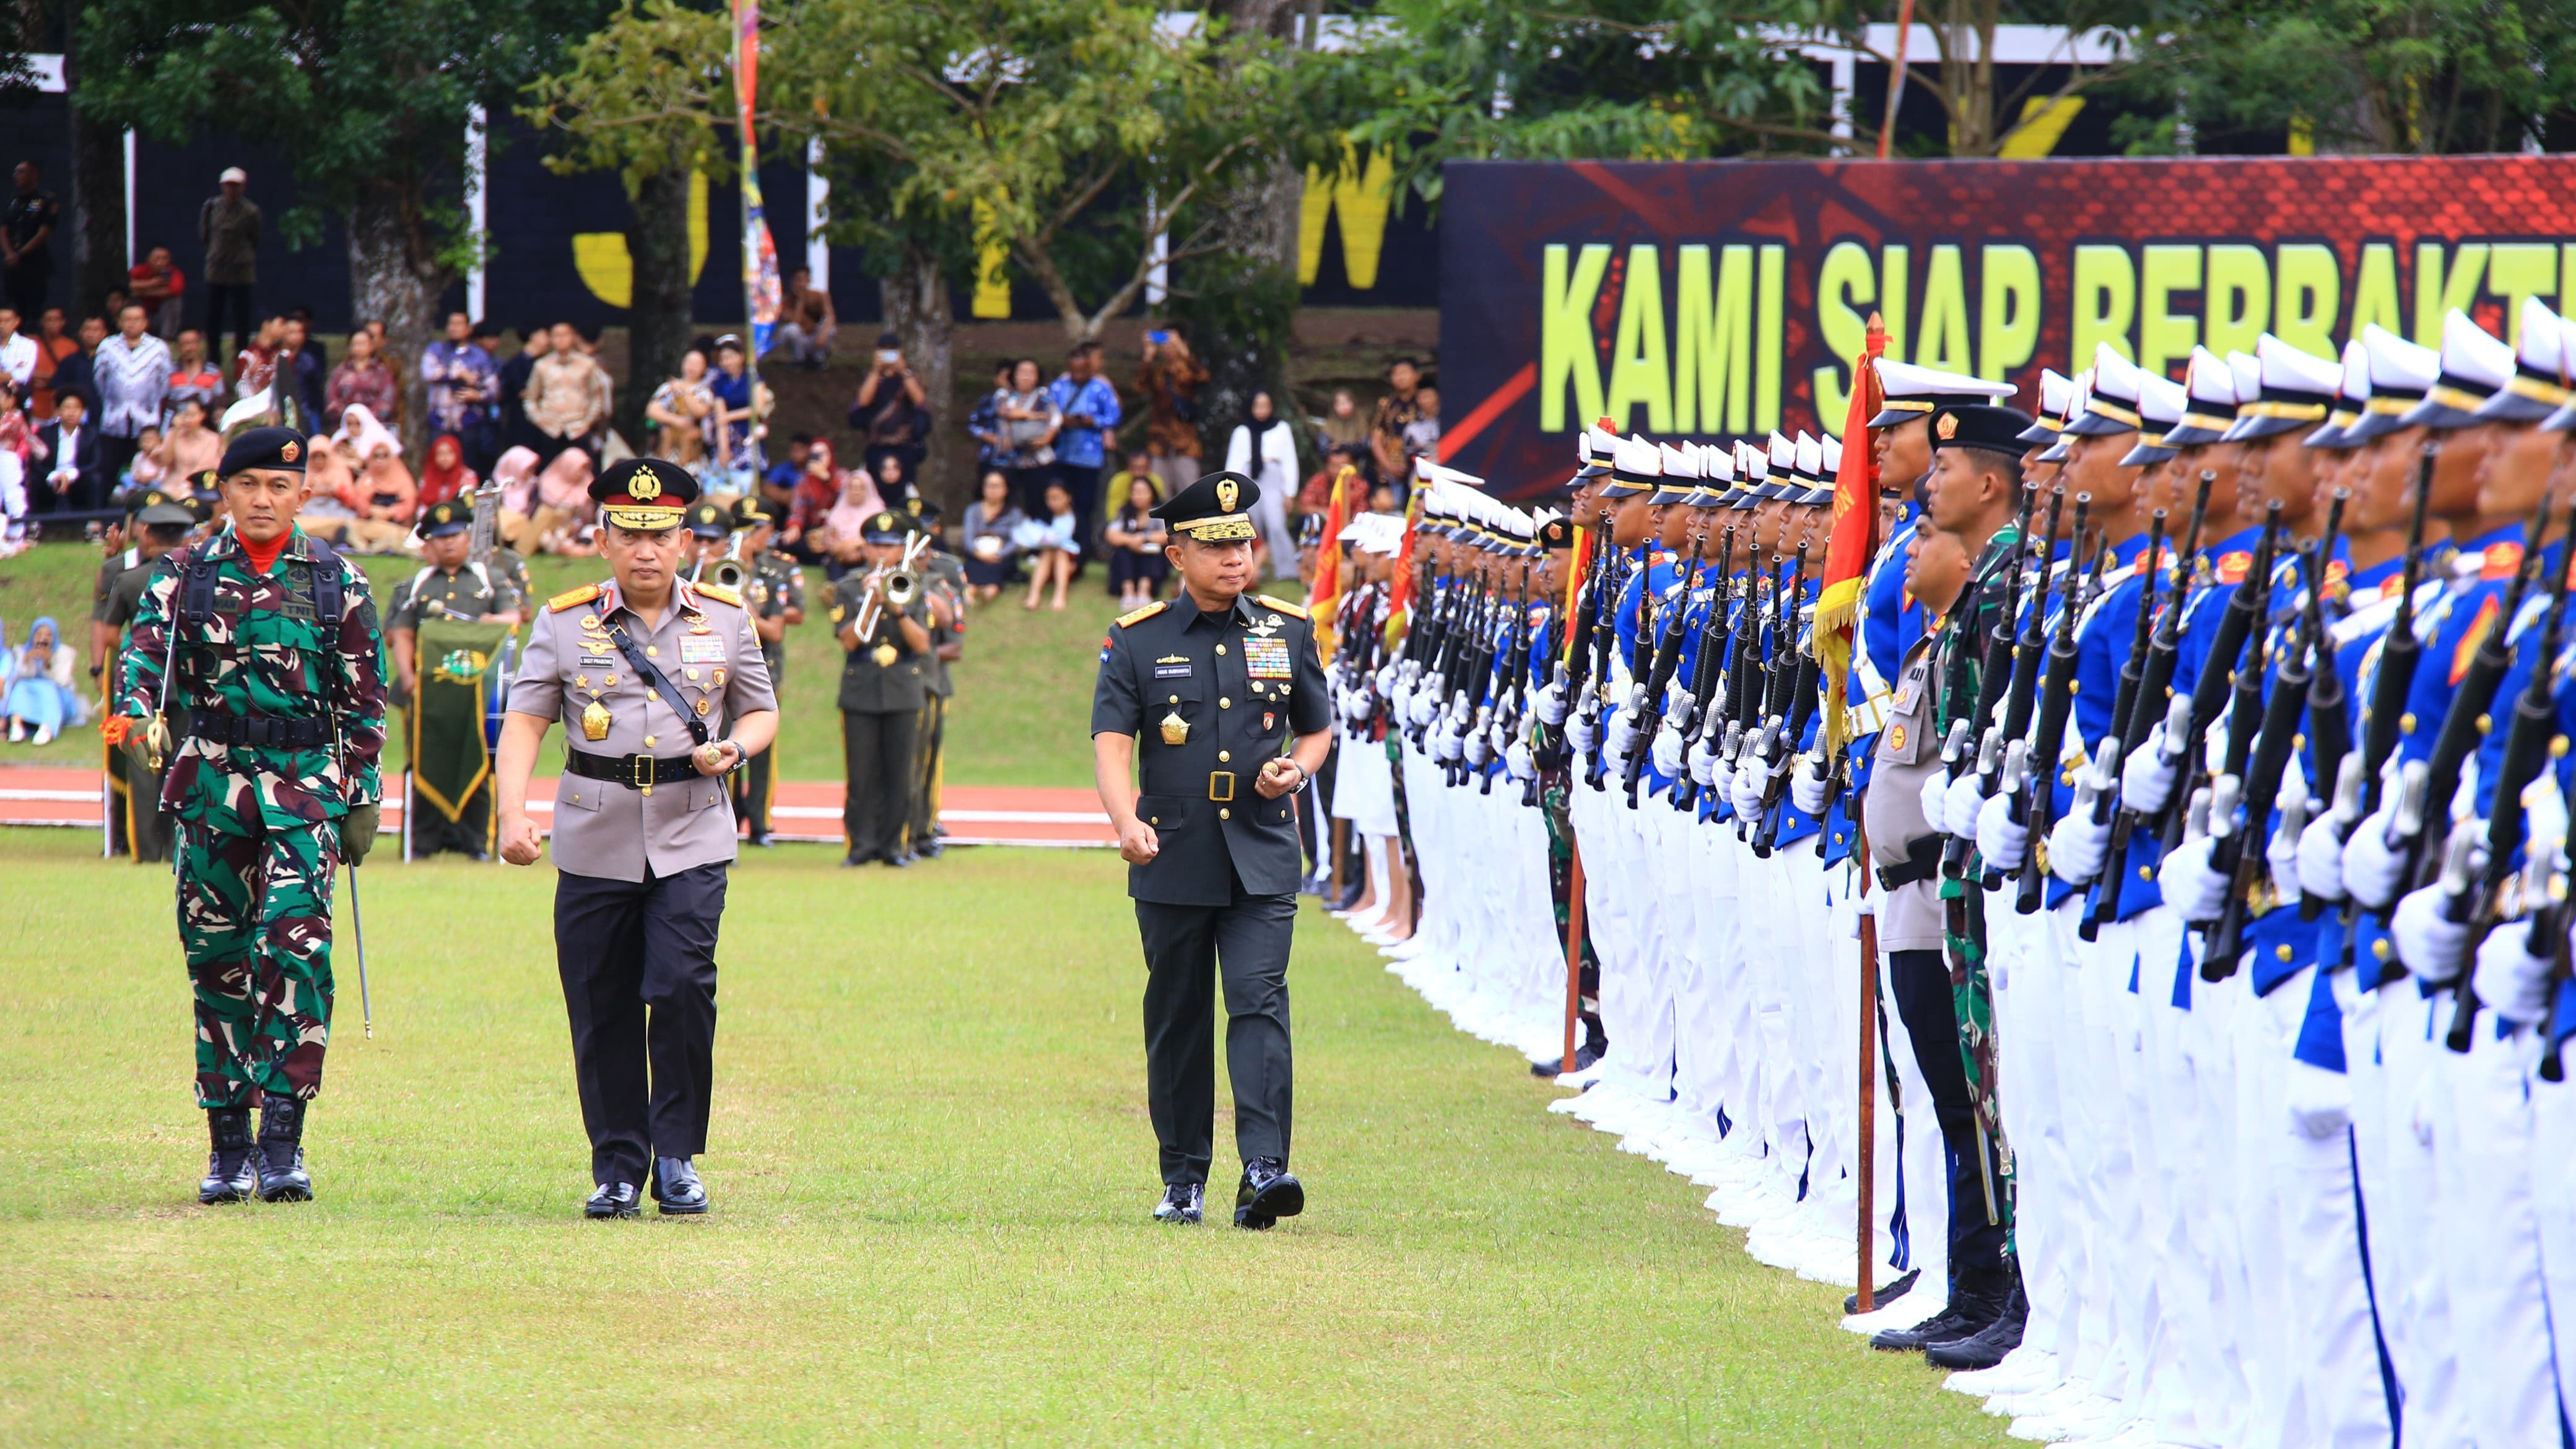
[1008, 725]
[931, 1170]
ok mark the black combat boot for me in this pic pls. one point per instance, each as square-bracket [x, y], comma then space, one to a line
[1977, 1300]
[282, 1177]
[1267, 1194]
[1985, 1349]
[230, 1177]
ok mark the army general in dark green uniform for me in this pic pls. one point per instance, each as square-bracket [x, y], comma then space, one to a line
[1215, 702]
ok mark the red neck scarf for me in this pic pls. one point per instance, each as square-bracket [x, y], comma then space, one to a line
[262, 555]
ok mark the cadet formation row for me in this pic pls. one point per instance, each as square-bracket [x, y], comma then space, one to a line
[2185, 765]
[452, 636]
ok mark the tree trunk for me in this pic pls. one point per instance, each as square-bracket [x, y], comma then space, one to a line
[1257, 223]
[916, 310]
[395, 278]
[657, 240]
[96, 225]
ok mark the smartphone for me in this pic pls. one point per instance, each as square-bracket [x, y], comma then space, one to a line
[1159, 338]
[889, 356]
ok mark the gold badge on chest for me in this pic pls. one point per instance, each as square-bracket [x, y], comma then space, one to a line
[594, 721]
[885, 655]
[1176, 730]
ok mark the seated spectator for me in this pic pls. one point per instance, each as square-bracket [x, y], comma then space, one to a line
[1315, 495]
[679, 413]
[255, 367]
[190, 446]
[1136, 538]
[1344, 425]
[156, 285]
[805, 323]
[302, 374]
[984, 421]
[1138, 464]
[1029, 421]
[891, 412]
[516, 471]
[568, 395]
[778, 485]
[330, 490]
[461, 378]
[192, 379]
[559, 520]
[836, 535]
[66, 461]
[1054, 546]
[892, 485]
[1422, 435]
[54, 346]
[740, 406]
[991, 552]
[146, 468]
[40, 699]
[362, 380]
[445, 475]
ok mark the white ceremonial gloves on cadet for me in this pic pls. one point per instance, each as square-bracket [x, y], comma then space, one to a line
[1479, 745]
[1935, 799]
[2078, 844]
[1549, 703]
[2195, 890]
[2281, 852]
[2510, 979]
[1520, 762]
[1960, 803]
[1808, 787]
[2001, 843]
[2429, 942]
[1623, 734]
[2147, 776]
[1582, 732]
[1752, 779]
[2320, 860]
[1424, 708]
[1667, 750]
[2372, 871]
[1702, 761]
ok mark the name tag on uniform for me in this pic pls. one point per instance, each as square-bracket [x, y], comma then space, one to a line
[1171, 671]
[596, 661]
[701, 649]
[1266, 658]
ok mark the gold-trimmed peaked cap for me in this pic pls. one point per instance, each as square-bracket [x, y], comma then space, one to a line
[646, 494]
[1215, 509]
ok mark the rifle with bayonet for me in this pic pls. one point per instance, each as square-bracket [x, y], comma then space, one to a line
[2129, 724]
[2155, 687]
[2329, 721]
[2192, 715]
[1648, 699]
[1708, 669]
[1796, 711]
[2029, 662]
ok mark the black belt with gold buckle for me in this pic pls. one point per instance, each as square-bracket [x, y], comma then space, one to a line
[1221, 780]
[635, 772]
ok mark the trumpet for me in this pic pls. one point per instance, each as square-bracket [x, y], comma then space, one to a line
[729, 574]
[897, 587]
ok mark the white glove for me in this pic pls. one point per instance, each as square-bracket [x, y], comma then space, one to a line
[1703, 762]
[1583, 732]
[2281, 853]
[1549, 706]
[2146, 776]
[1448, 742]
[2320, 1101]
[2372, 871]
[1623, 735]
[1666, 753]
[2509, 978]
[1808, 787]
[2196, 892]
[1421, 708]
[1747, 789]
[2076, 848]
[1959, 806]
[2428, 941]
[2320, 861]
[2000, 842]
[1479, 747]
[1935, 799]
[1521, 764]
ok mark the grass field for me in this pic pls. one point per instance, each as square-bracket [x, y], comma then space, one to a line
[931, 1170]
[1007, 725]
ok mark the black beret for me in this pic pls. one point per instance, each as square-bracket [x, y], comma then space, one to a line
[282, 449]
[1556, 533]
[1980, 425]
[453, 516]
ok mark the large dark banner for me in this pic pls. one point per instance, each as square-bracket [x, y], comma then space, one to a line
[1714, 298]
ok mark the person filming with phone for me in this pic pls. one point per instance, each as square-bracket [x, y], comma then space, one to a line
[892, 410]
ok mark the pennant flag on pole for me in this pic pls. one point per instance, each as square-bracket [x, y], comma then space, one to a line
[1853, 543]
[762, 294]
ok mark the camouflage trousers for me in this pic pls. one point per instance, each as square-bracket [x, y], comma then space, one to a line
[1555, 782]
[255, 924]
[1972, 997]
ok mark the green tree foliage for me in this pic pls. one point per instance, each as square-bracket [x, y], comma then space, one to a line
[368, 99]
[2419, 76]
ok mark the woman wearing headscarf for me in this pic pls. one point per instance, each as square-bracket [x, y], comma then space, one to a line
[445, 476]
[40, 698]
[1264, 449]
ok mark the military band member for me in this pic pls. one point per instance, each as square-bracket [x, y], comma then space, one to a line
[775, 594]
[1213, 705]
[662, 690]
[262, 643]
[944, 575]
[136, 826]
[885, 681]
[447, 807]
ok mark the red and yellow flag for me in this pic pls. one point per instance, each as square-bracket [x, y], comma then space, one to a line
[1854, 541]
[1323, 601]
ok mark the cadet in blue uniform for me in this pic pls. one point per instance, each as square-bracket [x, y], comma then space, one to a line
[1216, 703]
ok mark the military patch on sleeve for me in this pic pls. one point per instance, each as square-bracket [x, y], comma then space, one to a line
[571, 597]
[1282, 605]
[1147, 612]
[1108, 646]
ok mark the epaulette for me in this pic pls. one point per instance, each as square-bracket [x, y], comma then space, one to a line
[1140, 615]
[718, 593]
[571, 597]
[1282, 605]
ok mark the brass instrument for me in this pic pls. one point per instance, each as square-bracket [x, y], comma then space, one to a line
[487, 511]
[897, 586]
[730, 571]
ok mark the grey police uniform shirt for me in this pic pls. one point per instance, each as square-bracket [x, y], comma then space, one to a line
[1910, 917]
[1236, 688]
[707, 649]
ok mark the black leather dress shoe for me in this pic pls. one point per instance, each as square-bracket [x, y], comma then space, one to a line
[231, 1175]
[1964, 1318]
[1984, 1349]
[856, 859]
[614, 1200]
[929, 849]
[1183, 1202]
[282, 1177]
[677, 1189]
[1267, 1194]
[898, 861]
[1884, 1294]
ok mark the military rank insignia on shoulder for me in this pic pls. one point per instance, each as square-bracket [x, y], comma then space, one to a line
[1282, 605]
[718, 593]
[571, 597]
[1140, 615]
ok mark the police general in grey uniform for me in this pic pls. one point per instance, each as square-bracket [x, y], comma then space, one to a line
[1213, 706]
[662, 691]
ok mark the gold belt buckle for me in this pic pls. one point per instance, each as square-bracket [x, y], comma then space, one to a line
[1226, 776]
[644, 767]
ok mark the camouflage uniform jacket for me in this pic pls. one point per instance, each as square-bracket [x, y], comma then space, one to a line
[263, 654]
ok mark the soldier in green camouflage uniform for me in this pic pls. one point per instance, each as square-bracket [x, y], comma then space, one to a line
[267, 645]
[775, 593]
